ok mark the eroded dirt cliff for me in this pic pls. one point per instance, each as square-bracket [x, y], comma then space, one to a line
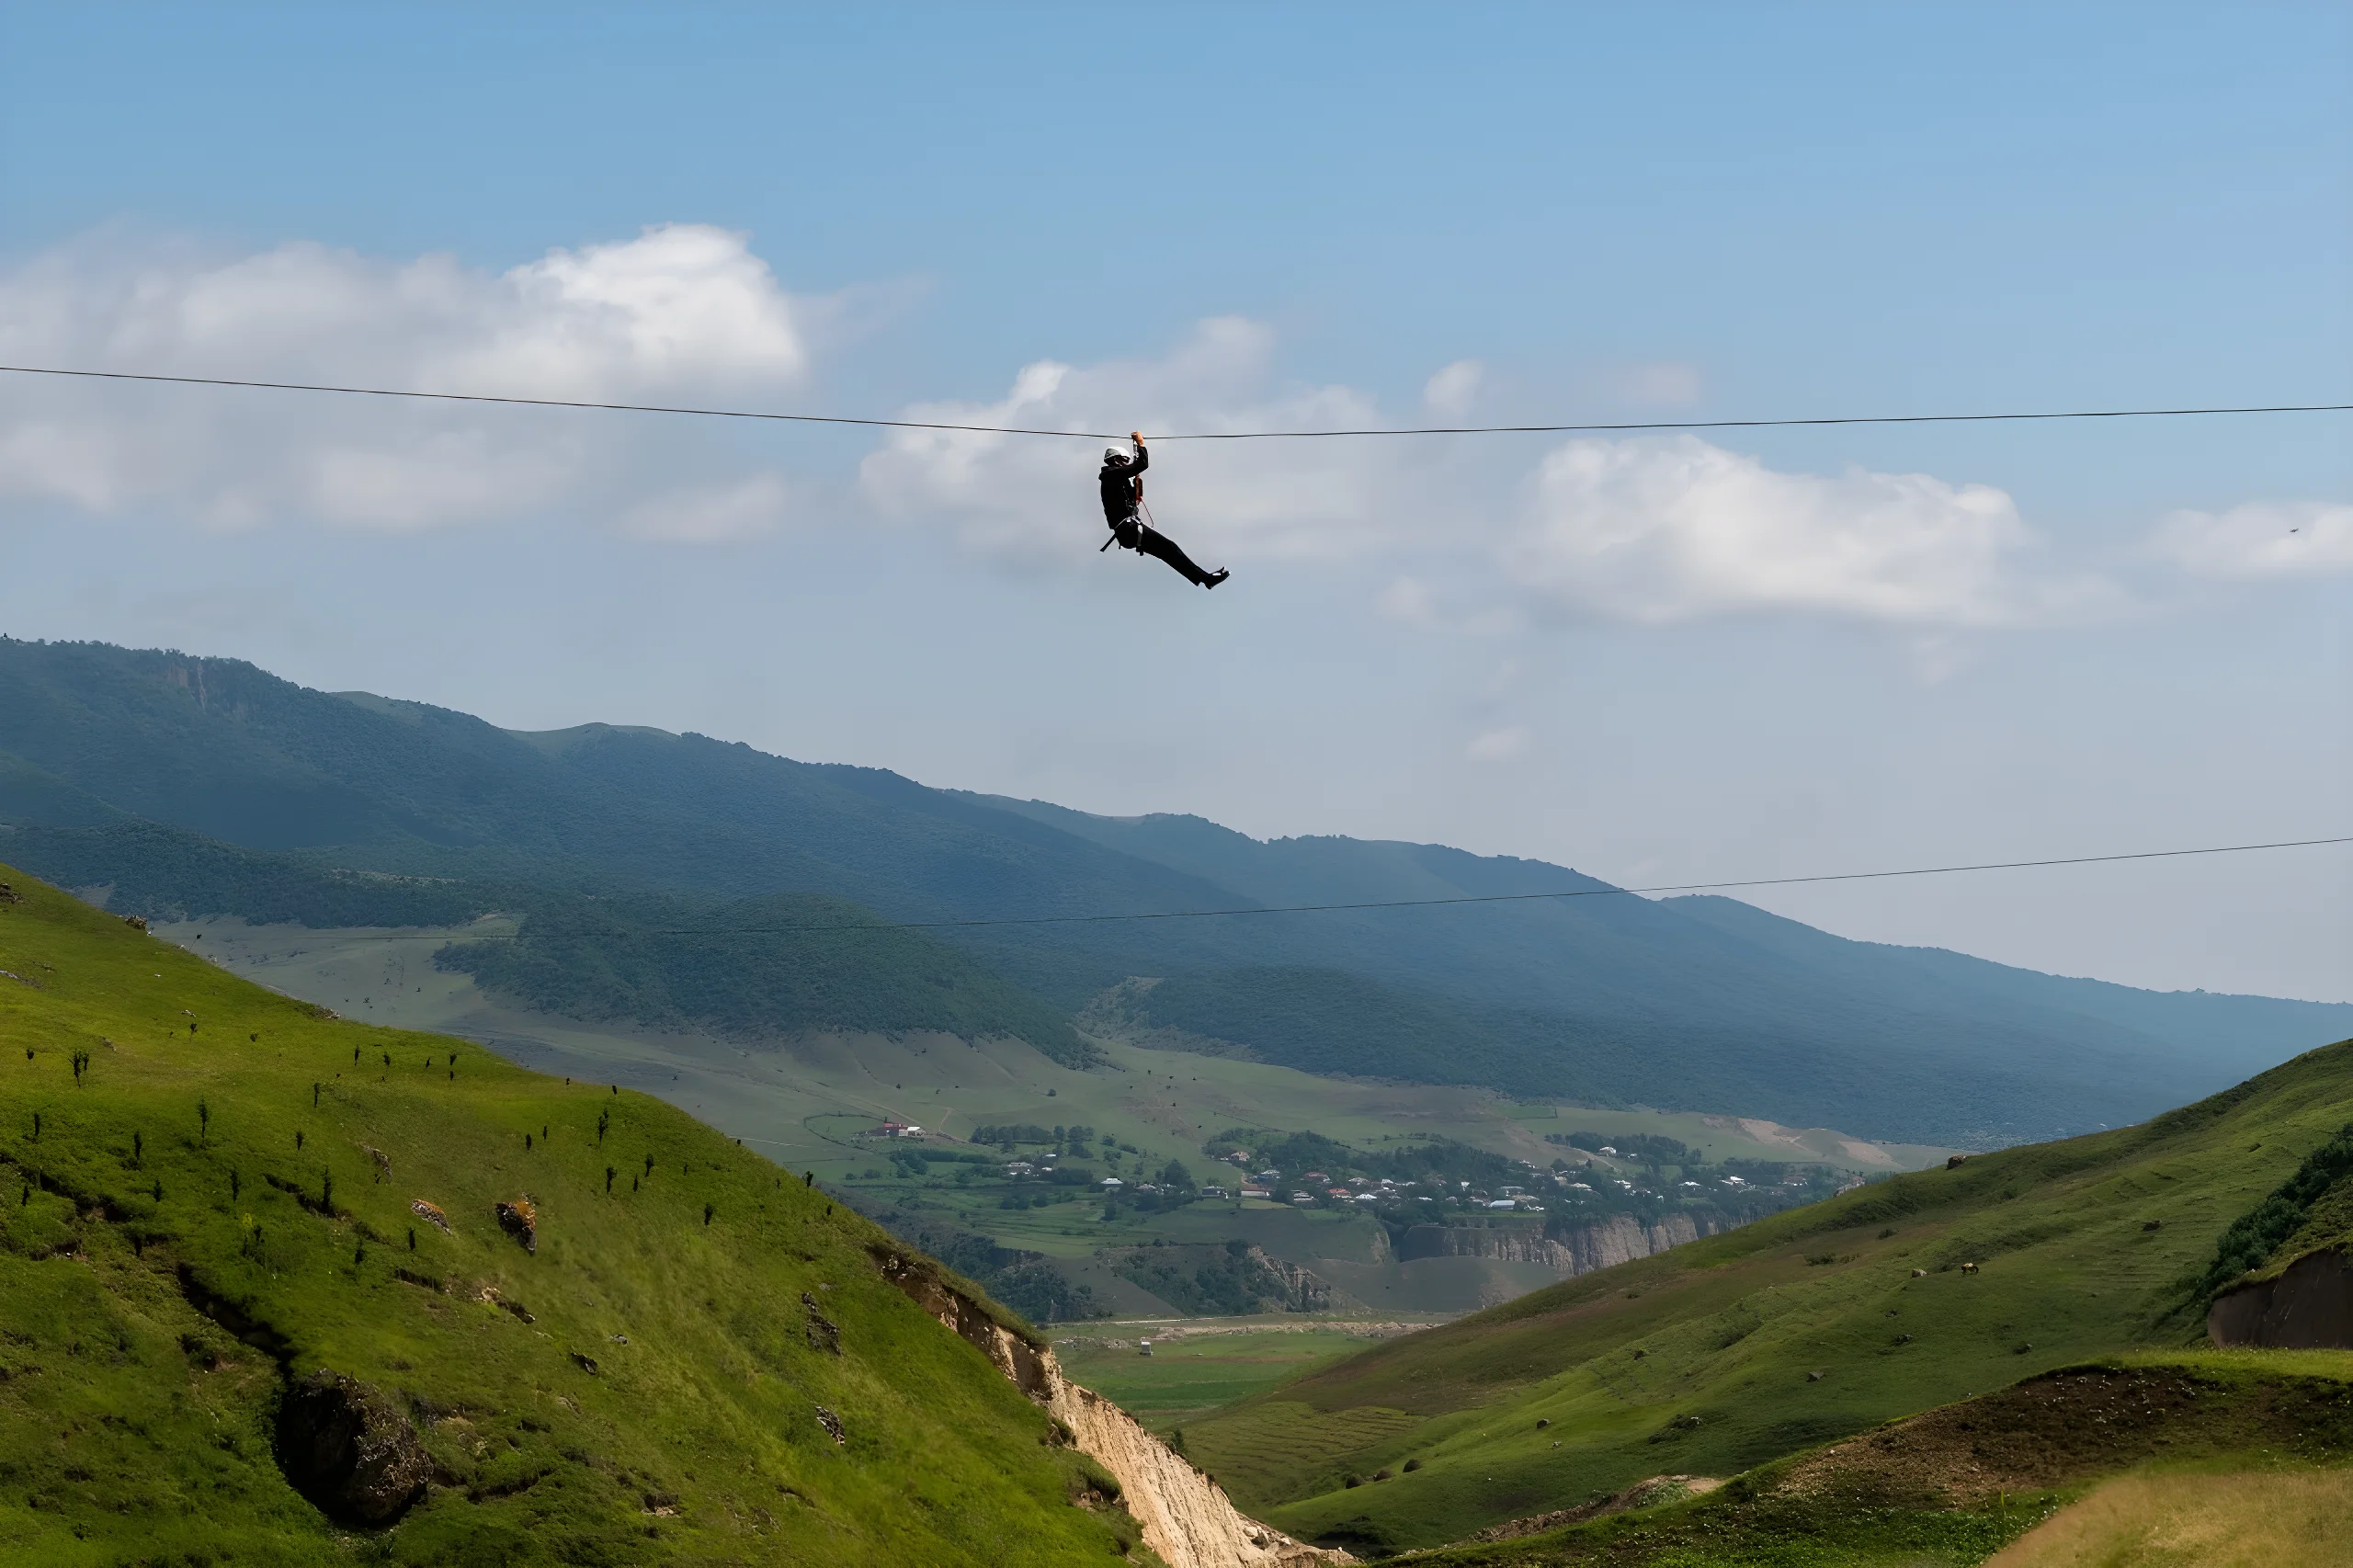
[2309, 1306]
[1567, 1253]
[1185, 1517]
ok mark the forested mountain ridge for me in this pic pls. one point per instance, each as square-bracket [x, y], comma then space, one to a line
[205, 785]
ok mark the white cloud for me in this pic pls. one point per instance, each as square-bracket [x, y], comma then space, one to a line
[1674, 530]
[2259, 539]
[1498, 745]
[1021, 495]
[1450, 393]
[681, 311]
[1652, 530]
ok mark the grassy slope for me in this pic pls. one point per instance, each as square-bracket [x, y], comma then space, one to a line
[1728, 1329]
[130, 1421]
[2198, 1441]
[2245, 1519]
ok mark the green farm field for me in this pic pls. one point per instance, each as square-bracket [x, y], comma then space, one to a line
[1186, 1376]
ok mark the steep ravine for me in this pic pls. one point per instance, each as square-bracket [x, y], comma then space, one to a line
[1186, 1517]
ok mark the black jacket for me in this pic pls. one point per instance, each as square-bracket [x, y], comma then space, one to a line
[1121, 487]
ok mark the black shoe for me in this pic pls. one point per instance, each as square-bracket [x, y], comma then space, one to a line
[1214, 578]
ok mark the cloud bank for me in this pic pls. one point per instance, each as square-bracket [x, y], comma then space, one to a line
[1645, 530]
[1467, 533]
[1674, 530]
[682, 309]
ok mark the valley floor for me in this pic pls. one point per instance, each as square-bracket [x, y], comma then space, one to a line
[1164, 1371]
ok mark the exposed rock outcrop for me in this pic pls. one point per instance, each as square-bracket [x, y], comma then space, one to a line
[2307, 1306]
[522, 1220]
[1186, 1517]
[1567, 1253]
[351, 1449]
[1303, 1290]
[824, 1334]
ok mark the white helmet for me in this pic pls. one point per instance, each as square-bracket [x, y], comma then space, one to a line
[1114, 455]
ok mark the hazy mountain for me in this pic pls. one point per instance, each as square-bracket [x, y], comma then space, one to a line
[210, 785]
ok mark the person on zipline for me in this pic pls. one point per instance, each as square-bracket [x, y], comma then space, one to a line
[1122, 496]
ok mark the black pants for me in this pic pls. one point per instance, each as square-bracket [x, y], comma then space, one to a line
[1133, 535]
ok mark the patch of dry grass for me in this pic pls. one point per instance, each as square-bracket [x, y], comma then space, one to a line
[2273, 1518]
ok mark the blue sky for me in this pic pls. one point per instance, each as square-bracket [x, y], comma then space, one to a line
[1662, 660]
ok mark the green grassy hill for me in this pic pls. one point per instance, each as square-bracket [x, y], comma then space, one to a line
[211, 1193]
[1800, 1329]
[2146, 1460]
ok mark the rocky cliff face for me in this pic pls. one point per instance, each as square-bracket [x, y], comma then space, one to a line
[1567, 1253]
[1303, 1291]
[1185, 1517]
[2309, 1306]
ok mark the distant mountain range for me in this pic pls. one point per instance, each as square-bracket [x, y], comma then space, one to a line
[681, 878]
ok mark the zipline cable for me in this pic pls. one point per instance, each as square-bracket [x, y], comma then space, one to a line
[1620, 428]
[1604, 891]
